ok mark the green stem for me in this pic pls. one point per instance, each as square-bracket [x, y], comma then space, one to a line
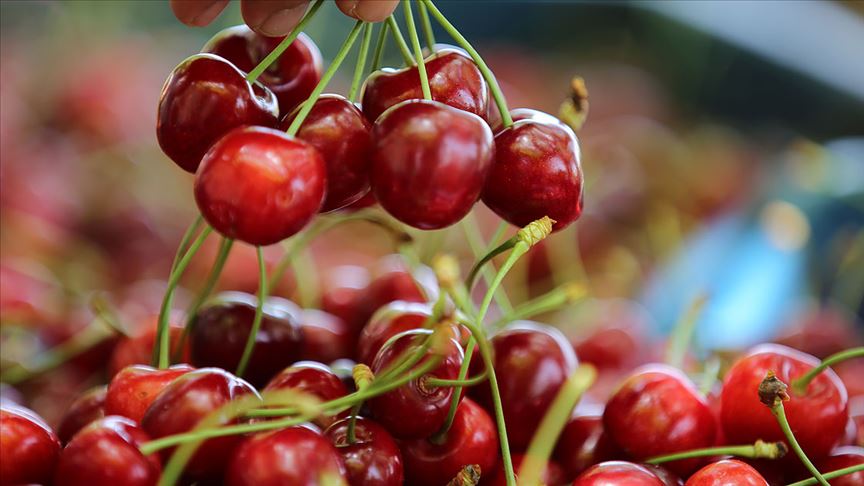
[418, 51]
[379, 47]
[552, 300]
[830, 475]
[780, 413]
[325, 79]
[475, 240]
[759, 450]
[259, 315]
[801, 383]
[185, 240]
[363, 377]
[360, 67]
[682, 335]
[472, 275]
[275, 53]
[103, 309]
[474, 380]
[427, 27]
[400, 40]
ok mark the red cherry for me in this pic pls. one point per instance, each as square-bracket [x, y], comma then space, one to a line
[618, 472]
[204, 98]
[472, 439]
[132, 390]
[817, 417]
[389, 321]
[668, 478]
[342, 135]
[454, 80]
[373, 459]
[291, 78]
[314, 378]
[28, 447]
[584, 442]
[840, 458]
[259, 185]
[656, 411]
[326, 337]
[532, 361]
[87, 408]
[727, 472]
[138, 349]
[105, 453]
[343, 295]
[294, 455]
[552, 474]
[185, 402]
[536, 173]
[429, 162]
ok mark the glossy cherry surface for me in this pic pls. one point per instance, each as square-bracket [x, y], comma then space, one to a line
[87, 408]
[389, 321]
[138, 349]
[841, 458]
[537, 172]
[727, 472]
[584, 442]
[311, 377]
[326, 337]
[429, 162]
[373, 459]
[204, 98]
[132, 390]
[344, 295]
[259, 185]
[617, 472]
[28, 447]
[552, 474]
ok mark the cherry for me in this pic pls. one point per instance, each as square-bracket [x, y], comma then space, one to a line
[840, 458]
[666, 477]
[454, 80]
[132, 390]
[472, 439]
[87, 408]
[105, 453]
[426, 405]
[342, 135]
[618, 472]
[532, 361]
[291, 78]
[817, 417]
[389, 321]
[295, 455]
[657, 410]
[429, 162]
[28, 447]
[393, 280]
[138, 349]
[536, 173]
[373, 459]
[344, 295]
[552, 474]
[259, 185]
[314, 378]
[727, 472]
[204, 98]
[326, 337]
[185, 402]
[584, 442]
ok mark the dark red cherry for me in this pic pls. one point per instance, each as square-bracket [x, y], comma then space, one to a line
[295, 455]
[472, 439]
[841, 458]
[373, 459]
[618, 472]
[343, 295]
[429, 162]
[326, 337]
[184, 403]
[259, 185]
[536, 172]
[518, 114]
[657, 410]
[454, 80]
[221, 328]
[727, 472]
[393, 280]
[342, 135]
[291, 78]
[667, 477]
[416, 409]
[87, 408]
[204, 98]
[105, 453]
[314, 378]
[818, 417]
[132, 390]
[389, 321]
[532, 361]
[552, 474]
[584, 442]
[28, 447]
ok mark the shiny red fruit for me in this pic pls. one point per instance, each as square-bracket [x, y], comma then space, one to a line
[537, 172]
[138, 349]
[618, 473]
[87, 408]
[204, 98]
[310, 377]
[552, 474]
[132, 390]
[28, 447]
[389, 321]
[326, 337]
[373, 459]
[259, 185]
[584, 442]
[429, 162]
[343, 295]
[841, 458]
[727, 472]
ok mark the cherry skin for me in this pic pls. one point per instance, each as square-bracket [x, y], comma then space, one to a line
[537, 172]
[28, 447]
[295, 455]
[373, 459]
[132, 390]
[87, 408]
[204, 98]
[657, 410]
[472, 439]
[342, 135]
[389, 321]
[291, 78]
[552, 474]
[532, 361]
[259, 185]
[617, 472]
[454, 80]
[221, 328]
[584, 442]
[343, 295]
[727, 472]
[138, 350]
[841, 458]
[105, 453]
[818, 417]
[184, 403]
[429, 162]
[314, 378]
[326, 337]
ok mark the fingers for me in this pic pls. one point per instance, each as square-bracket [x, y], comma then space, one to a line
[197, 13]
[368, 10]
[273, 18]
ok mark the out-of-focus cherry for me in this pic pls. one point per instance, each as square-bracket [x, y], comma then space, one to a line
[87, 408]
[584, 442]
[389, 321]
[326, 337]
[373, 459]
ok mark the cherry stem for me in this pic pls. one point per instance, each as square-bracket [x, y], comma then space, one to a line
[275, 53]
[427, 27]
[472, 275]
[418, 51]
[467, 476]
[478, 247]
[400, 40]
[325, 79]
[474, 380]
[380, 43]
[363, 377]
[108, 313]
[758, 450]
[800, 384]
[185, 240]
[259, 315]
[830, 475]
[682, 334]
[546, 436]
[360, 67]
[555, 299]
[506, 119]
